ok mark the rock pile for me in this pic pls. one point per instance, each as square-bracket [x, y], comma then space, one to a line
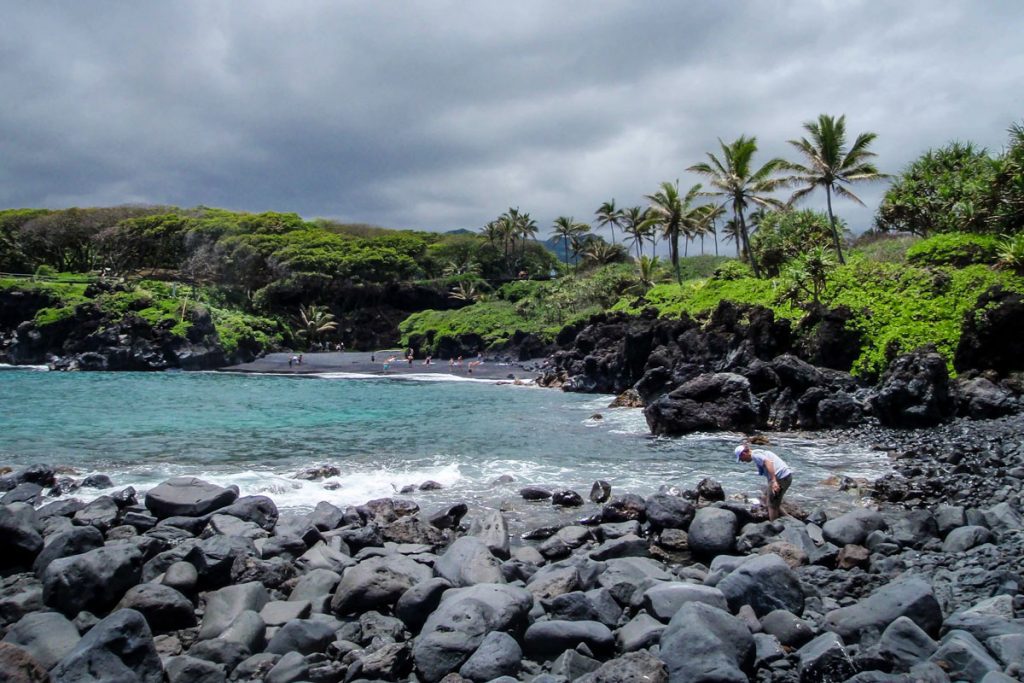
[743, 370]
[197, 584]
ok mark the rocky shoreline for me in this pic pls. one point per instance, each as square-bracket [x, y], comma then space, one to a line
[190, 582]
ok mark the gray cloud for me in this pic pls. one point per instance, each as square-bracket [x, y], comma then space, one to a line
[441, 115]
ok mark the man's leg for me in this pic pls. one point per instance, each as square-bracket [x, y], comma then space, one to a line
[775, 499]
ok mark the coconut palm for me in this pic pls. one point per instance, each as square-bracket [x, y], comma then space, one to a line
[601, 253]
[565, 227]
[712, 212]
[672, 213]
[609, 216]
[646, 268]
[526, 230]
[734, 179]
[314, 321]
[633, 218]
[830, 165]
[492, 231]
[731, 233]
[579, 240]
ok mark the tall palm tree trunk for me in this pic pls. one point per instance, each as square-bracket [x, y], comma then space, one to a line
[746, 245]
[675, 255]
[832, 221]
[714, 230]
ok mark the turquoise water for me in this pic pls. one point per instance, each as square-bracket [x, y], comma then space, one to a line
[257, 431]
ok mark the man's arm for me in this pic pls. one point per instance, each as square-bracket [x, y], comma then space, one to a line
[769, 466]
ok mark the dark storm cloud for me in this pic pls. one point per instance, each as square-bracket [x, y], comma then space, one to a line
[440, 115]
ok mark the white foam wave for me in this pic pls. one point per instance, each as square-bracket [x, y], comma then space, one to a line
[38, 368]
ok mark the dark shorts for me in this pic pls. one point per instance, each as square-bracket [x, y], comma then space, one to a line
[784, 483]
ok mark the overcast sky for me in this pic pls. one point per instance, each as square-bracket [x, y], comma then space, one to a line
[440, 115]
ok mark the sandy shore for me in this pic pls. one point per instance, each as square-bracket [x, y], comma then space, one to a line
[365, 363]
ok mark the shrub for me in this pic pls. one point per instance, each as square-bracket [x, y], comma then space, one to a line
[954, 249]
[731, 270]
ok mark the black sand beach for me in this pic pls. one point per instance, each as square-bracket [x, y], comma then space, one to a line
[365, 363]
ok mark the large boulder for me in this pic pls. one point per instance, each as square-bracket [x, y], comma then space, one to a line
[907, 597]
[458, 626]
[468, 561]
[766, 583]
[19, 535]
[164, 608]
[118, 649]
[852, 527]
[825, 659]
[704, 644]
[663, 600]
[304, 636]
[713, 532]
[990, 335]
[225, 605]
[708, 402]
[980, 399]
[548, 639]
[188, 497]
[669, 512]
[914, 392]
[499, 655]
[74, 541]
[491, 528]
[47, 636]
[634, 666]
[377, 583]
[94, 580]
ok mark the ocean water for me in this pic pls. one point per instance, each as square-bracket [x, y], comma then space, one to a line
[257, 431]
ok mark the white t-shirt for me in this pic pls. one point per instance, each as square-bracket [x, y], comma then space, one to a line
[760, 457]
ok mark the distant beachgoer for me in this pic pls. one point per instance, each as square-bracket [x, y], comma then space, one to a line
[451, 364]
[291, 360]
[427, 361]
[770, 465]
[299, 360]
[409, 358]
[458, 363]
[372, 358]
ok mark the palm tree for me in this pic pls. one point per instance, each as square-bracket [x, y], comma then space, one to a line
[632, 225]
[712, 212]
[610, 216]
[731, 233]
[313, 321]
[830, 165]
[579, 239]
[733, 178]
[673, 214]
[492, 231]
[564, 230]
[647, 267]
[600, 253]
[526, 230]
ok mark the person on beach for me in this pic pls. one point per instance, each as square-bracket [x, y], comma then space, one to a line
[778, 473]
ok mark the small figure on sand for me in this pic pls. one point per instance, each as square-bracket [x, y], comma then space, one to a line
[292, 360]
[373, 357]
[473, 364]
[451, 364]
[426, 361]
[778, 473]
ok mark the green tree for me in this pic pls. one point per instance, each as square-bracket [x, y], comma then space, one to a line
[673, 213]
[829, 164]
[733, 177]
[314, 321]
[784, 235]
[565, 229]
[601, 253]
[633, 218]
[608, 215]
[1008, 191]
[944, 190]
[807, 276]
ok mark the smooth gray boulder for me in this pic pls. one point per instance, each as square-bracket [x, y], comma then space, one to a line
[47, 636]
[669, 512]
[185, 669]
[388, 663]
[907, 597]
[248, 630]
[492, 528]
[314, 585]
[188, 497]
[1003, 517]
[825, 659]
[301, 635]
[74, 541]
[182, 577]
[101, 513]
[966, 537]
[417, 603]
[377, 583]
[223, 606]
[465, 616]
[789, 629]
[853, 527]
[548, 639]
[226, 653]
[630, 667]
[664, 599]
[280, 612]
[703, 644]
[499, 654]
[571, 665]
[19, 535]
[963, 657]
[290, 668]
[766, 583]
[118, 648]
[1008, 648]
[94, 580]
[164, 608]
[712, 532]
[903, 644]
[468, 561]
[640, 632]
